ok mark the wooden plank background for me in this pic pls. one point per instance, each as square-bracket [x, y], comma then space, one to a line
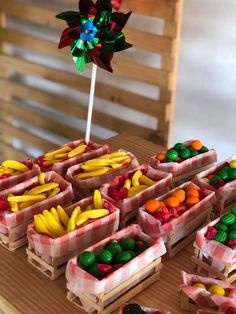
[43, 100]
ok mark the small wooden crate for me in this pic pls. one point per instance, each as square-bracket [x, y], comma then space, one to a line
[15, 237]
[227, 274]
[178, 240]
[106, 303]
[186, 304]
[52, 271]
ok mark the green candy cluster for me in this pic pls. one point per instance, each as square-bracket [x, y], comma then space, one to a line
[226, 227]
[224, 175]
[113, 255]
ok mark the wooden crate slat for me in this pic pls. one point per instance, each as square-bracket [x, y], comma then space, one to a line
[72, 108]
[104, 91]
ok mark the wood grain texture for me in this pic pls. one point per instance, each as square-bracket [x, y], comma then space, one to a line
[37, 295]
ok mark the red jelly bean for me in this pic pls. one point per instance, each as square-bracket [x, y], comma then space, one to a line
[211, 232]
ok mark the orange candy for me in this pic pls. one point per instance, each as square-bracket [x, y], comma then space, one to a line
[191, 186]
[171, 201]
[179, 194]
[192, 192]
[152, 206]
[192, 200]
[161, 156]
[196, 144]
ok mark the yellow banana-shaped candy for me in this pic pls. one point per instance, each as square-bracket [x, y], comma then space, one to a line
[90, 168]
[49, 163]
[14, 207]
[127, 184]
[54, 192]
[135, 178]
[26, 204]
[145, 180]
[53, 224]
[94, 214]
[43, 188]
[77, 150]
[137, 189]
[72, 222]
[42, 178]
[53, 211]
[7, 171]
[97, 199]
[87, 175]
[39, 225]
[120, 159]
[61, 156]
[54, 235]
[81, 221]
[116, 166]
[16, 165]
[26, 198]
[64, 218]
[64, 149]
[113, 155]
[99, 162]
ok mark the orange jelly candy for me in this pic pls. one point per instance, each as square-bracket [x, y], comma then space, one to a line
[152, 206]
[171, 202]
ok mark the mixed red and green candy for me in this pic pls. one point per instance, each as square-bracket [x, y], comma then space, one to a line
[223, 175]
[112, 257]
[225, 230]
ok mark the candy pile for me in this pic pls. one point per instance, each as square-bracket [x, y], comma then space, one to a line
[225, 174]
[214, 289]
[62, 154]
[57, 222]
[179, 152]
[225, 230]
[11, 168]
[175, 204]
[39, 192]
[129, 187]
[113, 256]
[101, 165]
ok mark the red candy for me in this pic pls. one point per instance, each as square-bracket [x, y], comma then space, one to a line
[4, 204]
[232, 242]
[105, 269]
[231, 310]
[211, 232]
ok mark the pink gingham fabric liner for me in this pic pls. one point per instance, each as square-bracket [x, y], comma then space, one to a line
[129, 206]
[79, 281]
[209, 312]
[61, 167]
[14, 180]
[187, 165]
[84, 188]
[204, 298]
[225, 192]
[148, 310]
[155, 229]
[78, 240]
[64, 197]
[216, 250]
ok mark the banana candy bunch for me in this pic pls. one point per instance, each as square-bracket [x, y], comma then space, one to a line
[36, 194]
[136, 184]
[103, 164]
[11, 168]
[62, 154]
[57, 222]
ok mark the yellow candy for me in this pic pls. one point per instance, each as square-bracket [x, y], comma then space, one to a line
[206, 180]
[216, 289]
[93, 214]
[199, 285]
[232, 164]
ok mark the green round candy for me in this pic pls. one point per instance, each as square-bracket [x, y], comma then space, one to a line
[93, 270]
[232, 227]
[224, 174]
[172, 154]
[232, 235]
[114, 248]
[86, 259]
[215, 179]
[184, 153]
[233, 209]
[193, 152]
[127, 244]
[204, 149]
[104, 257]
[228, 219]
[178, 146]
[221, 227]
[221, 237]
[232, 173]
[132, 253]
[123, 257]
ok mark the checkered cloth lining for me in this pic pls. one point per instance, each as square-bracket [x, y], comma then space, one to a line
[216, 250]
[129, 206]
[186, 166]
[148, 310]
[84, 188]
[64, 197]
[61, 167]
[153, 227]
[78, 240]
[14, 180]
[204, 298]
[224, 193]
[79, 281]
[209, 312]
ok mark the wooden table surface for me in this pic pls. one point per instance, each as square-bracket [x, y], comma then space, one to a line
[24, 290]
